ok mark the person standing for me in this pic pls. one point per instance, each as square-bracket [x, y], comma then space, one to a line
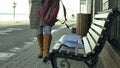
[43, 30]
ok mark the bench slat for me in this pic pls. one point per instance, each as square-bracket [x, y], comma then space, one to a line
[87, 47]
[63, 49]
[61, 39]
[72, 51]
[91, 41]
[103, 15]
[94, 35]
[80, 40]
[96, 28]
[56, 47]
[99, 22]
[80, 51]
[68, 50]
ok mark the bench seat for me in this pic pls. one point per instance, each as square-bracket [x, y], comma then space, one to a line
[87, 48]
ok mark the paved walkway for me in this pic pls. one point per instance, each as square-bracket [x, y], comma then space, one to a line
[27, 57]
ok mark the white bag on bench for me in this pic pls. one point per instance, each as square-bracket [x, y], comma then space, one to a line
[71, 40]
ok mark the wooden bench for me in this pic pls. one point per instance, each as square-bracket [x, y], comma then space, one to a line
[87, 48]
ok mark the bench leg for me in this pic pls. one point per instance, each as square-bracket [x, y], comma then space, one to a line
[53, 61]
[65, 63]
[92, 63]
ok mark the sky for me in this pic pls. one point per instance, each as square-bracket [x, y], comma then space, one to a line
[22, 7]
[72, 7]
[6, 6]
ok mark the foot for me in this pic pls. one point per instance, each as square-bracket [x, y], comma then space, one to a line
[45, 59]
[40, 56]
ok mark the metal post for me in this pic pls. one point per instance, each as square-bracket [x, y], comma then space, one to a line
[30, 2]
[14, 6]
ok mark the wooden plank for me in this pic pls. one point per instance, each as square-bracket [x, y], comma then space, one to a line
[101, 15]
[97, 29]
[99, 22]
[67, 50]
[60, 40]
[109, 58]
[55, 47]
[63, 49]
[86, 45]
[113, 54]
[91, 41]
[80, 51]
[72, 51]
[94, 35]
[80, 40]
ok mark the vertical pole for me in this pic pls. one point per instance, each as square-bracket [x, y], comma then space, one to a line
[14, 6]
[29, 5]
[80, 6]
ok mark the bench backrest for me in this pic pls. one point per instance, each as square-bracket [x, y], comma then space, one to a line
[98, 32]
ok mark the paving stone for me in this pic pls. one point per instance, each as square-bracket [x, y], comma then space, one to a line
[27, 57]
